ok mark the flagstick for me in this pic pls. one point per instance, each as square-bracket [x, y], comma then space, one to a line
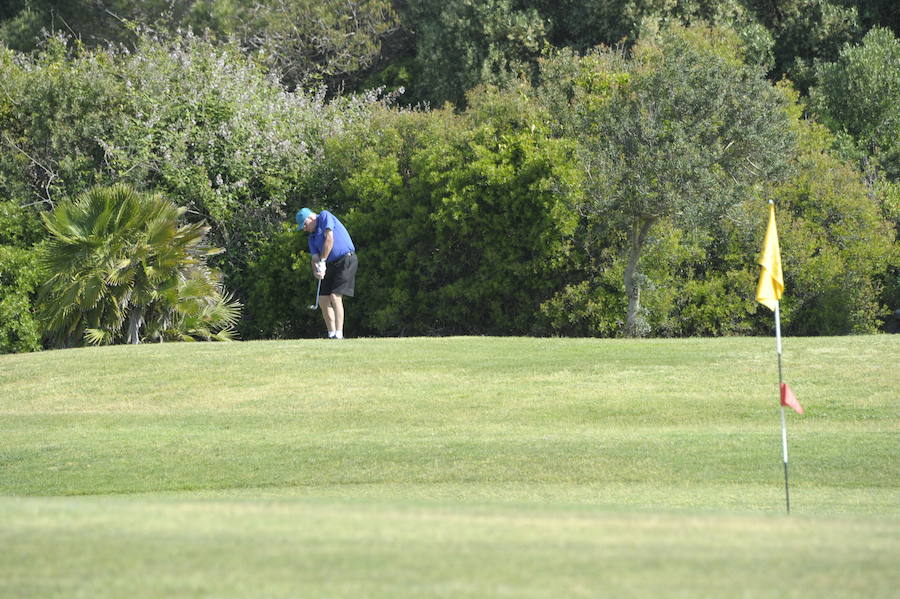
[784, 450]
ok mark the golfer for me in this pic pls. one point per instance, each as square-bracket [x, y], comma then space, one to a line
[333, 263]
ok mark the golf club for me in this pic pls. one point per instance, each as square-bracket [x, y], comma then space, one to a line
[315, 306]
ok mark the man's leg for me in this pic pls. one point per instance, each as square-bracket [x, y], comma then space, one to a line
[328, 313]
[337, 304]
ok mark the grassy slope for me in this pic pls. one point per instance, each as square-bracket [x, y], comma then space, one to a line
[450, 467]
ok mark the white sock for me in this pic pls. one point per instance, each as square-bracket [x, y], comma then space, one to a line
[339, 334]
[331, 334]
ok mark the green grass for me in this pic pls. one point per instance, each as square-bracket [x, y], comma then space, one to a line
[450, 467]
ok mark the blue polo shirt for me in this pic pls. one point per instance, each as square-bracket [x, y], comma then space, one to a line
[342, 242]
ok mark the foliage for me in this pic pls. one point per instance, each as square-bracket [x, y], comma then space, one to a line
[587, 308]
[55, 111]
[19, 226]
[807, 32]
[218, 136]
[20, 233]
[888, 194]
[461, 44]
[19, 279]
[506, 215]
[120, 268]
[582, 25]
[386, 187]
[699, 280]
[196, 121]
[311, 40]
[859, 94]
[692, 282]
[453, 46]
[788, 38]
[835, 242]
[26, 24]
[306, 41]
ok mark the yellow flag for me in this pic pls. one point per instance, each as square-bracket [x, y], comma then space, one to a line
[771, 280]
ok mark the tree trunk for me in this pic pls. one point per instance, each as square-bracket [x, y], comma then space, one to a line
[135, 322]
[632, 288]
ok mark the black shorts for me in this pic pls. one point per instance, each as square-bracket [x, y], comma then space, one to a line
[340, 276]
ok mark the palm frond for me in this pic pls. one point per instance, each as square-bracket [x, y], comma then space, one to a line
[228, 334]
[92, 290]
[98, 336]
[161, 231]
[116, 269]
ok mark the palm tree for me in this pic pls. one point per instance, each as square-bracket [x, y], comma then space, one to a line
[119, 268]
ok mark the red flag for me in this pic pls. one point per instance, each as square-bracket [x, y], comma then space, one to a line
[789, 399]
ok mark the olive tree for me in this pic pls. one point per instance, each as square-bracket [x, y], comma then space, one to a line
[678, 129]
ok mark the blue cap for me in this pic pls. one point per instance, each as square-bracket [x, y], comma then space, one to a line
[302, 215]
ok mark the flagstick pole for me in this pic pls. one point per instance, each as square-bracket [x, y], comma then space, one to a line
[784, 449]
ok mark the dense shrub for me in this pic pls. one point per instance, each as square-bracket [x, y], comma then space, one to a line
[19, 278]
[56, 110]
[278, 288]
[461, 221]
[20, 275]
[835, 244]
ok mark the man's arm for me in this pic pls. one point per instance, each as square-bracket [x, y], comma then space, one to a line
[318, 260]
[327, 244]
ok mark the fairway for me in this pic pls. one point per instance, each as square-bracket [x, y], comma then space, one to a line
[450, 467]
